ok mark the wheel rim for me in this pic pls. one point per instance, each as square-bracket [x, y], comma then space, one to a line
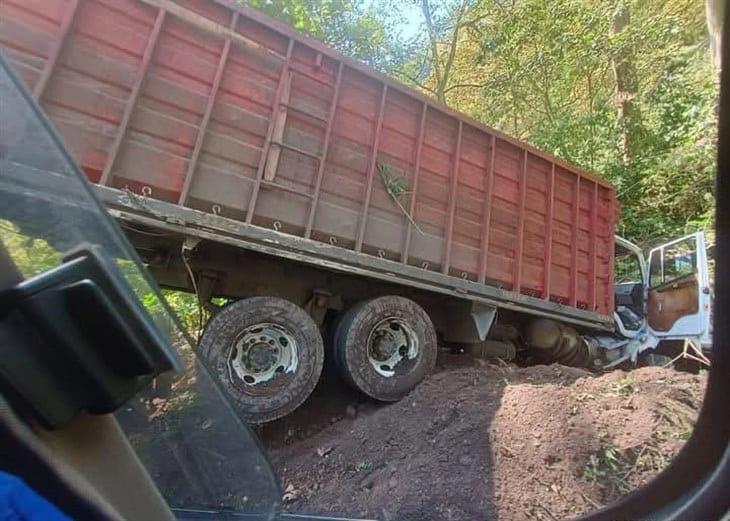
[391, 343]
[262, 358]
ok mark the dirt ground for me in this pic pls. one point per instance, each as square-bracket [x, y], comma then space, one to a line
[479, 441]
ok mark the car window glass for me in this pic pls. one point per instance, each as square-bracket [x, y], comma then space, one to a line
[680, 260]
[627, 267]
[655, 269]
[192, 443]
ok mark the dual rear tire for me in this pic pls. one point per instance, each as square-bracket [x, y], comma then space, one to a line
[385, 346]
[268, 353]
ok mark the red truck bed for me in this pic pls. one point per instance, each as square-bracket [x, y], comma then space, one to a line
[219, 108]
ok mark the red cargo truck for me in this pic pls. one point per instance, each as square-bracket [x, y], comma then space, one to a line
[247, 161]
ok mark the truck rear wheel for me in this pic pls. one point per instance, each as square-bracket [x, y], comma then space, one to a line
[267, 354]
[385, 346]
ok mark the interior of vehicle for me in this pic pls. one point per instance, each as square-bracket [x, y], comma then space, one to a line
[628, 287]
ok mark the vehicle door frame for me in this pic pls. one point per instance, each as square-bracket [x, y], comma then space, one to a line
[701, 319]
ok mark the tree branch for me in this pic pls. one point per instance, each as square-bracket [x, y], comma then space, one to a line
[464, 85]
[418, 84]
[441, 91]
[433, 39]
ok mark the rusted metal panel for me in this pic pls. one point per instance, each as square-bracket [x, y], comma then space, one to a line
[550, 202]
[371, 171]
[519, 245]
[593, 286]
[489, 184]
[283, 77]
[208, 112]
[318, 46]
[452, 200]
[414, 187]
[64, 28]
[328, 133]
[213, 119]
[132, 101]
[574, 245]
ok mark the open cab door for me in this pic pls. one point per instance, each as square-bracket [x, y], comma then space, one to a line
[679, 300]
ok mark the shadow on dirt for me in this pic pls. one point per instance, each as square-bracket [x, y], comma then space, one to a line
[332, 401]
[425, 457]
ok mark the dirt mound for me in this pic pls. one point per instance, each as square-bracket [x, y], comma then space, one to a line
[487, 442]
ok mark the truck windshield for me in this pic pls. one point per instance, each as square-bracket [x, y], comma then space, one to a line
[192, 443]
[627, 267]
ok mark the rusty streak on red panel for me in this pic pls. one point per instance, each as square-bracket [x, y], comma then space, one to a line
[325, 150]
[574, 252]
[200, 138]
[453, 191]
[414, 188]
[517, 275]
[611, 218]
[50, 66]
[487, 211]
[594, 249]
[269, 132]
[371, 171]
[550, 201]
[132, 102]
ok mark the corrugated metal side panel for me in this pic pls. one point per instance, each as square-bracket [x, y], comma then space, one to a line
[218, 108]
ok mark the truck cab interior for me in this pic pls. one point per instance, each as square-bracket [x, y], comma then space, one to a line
[629, 287]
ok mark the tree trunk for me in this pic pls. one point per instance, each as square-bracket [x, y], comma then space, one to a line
[434, 48]
[442, 71]
[715, 11]
[628, 112]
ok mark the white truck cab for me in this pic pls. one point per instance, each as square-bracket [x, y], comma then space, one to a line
[665, 298]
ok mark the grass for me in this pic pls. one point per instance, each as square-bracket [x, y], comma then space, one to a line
[611, 468]
[684, 434]
[606, 467]
[624, 387]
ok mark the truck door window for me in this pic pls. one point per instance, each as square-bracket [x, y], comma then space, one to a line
[673, 262]
[680, 260]
[655, 269]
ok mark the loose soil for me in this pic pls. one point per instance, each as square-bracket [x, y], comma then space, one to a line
[477, 441]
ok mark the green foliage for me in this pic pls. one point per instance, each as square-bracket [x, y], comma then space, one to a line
[359, 31]
[192, 317]
[624, 387]
[612, 468]
[186, 307]
[546, 71]
[32, 256]
[396, 185]
[604, 464]
[626, 268]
